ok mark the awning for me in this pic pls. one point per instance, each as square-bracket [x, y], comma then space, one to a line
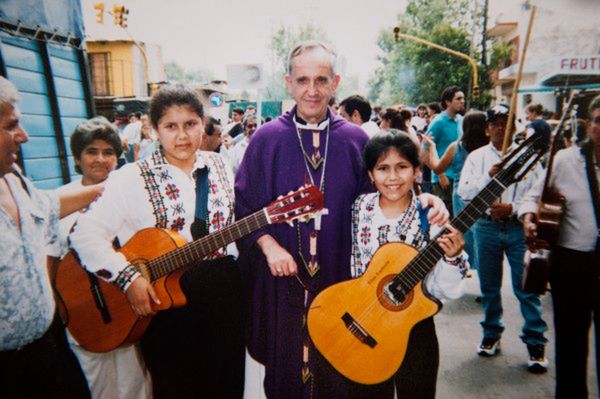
[542, 88]
[583, 71]
[58, 21]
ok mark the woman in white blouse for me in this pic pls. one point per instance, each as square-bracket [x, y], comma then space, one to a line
[393, 214]
[196, 350]
[118, 374]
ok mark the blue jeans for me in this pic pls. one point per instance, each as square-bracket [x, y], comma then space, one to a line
[470, 248]
[493, 240]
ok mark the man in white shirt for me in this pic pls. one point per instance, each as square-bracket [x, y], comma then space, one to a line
[132, 134]
[356, 109]
[500, 233]
[239, 149]
[575, 258]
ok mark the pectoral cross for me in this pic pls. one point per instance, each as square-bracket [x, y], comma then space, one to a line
[313, 265]
[318, 216]
[315, 159]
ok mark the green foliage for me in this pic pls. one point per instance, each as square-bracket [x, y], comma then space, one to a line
[413, 73]
[282, 42]
[502, 52]
[176, 72]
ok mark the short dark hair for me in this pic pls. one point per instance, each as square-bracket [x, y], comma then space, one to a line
[435, 106]
[397, 120]
[211, 125]
[448, 94]
[594, 105]
[357, 103]
[381, 143]
[170, 95]
[238, 110]
[537, 109]
[138, 114]
[98, 128]
[474, 137]
[422, 106]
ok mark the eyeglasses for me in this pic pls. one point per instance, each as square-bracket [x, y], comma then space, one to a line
[251, 126]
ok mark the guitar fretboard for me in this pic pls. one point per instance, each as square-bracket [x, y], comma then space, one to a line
[197, 250]
[426, 260]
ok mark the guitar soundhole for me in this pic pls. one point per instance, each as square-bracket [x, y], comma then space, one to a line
[393, 301]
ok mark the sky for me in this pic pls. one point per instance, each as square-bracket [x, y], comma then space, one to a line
[213, 33]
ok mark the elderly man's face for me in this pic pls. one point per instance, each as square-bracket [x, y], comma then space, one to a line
[250, 127]
[11, 136]
[312, 83]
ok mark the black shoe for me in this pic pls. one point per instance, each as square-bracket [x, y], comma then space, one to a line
[537, 364]
[489, 347]
[478, 299]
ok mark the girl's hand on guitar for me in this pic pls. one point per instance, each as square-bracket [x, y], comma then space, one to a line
[453, 242]
[280, 262]
[138, 294]
[438, 214]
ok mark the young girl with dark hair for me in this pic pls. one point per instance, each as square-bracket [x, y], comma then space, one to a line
[393, 214]
[196, 351]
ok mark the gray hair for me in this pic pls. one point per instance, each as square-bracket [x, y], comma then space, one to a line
[9, 95]
[594, 105]
[309, 46]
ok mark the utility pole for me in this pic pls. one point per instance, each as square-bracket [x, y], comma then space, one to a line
[484, 34]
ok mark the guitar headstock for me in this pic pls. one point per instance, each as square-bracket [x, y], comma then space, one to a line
[303, 202]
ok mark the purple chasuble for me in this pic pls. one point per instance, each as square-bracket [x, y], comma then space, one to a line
[272, 166]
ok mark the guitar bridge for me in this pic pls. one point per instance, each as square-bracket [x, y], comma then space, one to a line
[358, 331]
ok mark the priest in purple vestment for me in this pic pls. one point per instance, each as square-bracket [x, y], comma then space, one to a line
[287, 266]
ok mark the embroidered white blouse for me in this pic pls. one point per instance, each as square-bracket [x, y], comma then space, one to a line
[150, 193]
[371, 229]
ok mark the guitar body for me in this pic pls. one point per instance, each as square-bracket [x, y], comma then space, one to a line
[359, 329]
[536, 271]
[550, 213]
[78, 306]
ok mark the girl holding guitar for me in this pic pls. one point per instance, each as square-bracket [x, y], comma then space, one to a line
[393, 214]
[196, 350]
[574, 272]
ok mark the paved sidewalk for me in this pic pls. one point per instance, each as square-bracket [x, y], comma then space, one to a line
[463, 374]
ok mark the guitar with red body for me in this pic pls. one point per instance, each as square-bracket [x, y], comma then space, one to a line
[97, 313]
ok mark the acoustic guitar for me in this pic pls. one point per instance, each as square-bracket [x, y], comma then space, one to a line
[536, 266]
[97, 313]
[362, 326]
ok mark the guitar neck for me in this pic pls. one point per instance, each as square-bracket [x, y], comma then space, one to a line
[426, 260]
[196, 250]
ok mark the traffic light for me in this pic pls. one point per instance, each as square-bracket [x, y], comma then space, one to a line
[120, 14]
[124, 17]
[99, 7]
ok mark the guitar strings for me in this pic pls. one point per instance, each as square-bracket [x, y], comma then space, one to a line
[486, 195]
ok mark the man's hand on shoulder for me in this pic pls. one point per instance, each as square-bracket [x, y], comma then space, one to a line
[438, 214]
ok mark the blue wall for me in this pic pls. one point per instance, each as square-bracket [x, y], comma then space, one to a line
[42, 113]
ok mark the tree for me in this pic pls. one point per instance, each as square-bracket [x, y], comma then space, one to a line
[282, 42]
[413, 73]
[176, 72]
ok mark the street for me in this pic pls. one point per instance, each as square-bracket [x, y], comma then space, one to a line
[464, 374]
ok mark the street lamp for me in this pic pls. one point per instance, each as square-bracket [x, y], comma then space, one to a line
[398, 35]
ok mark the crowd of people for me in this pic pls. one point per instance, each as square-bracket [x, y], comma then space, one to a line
[386, 174]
